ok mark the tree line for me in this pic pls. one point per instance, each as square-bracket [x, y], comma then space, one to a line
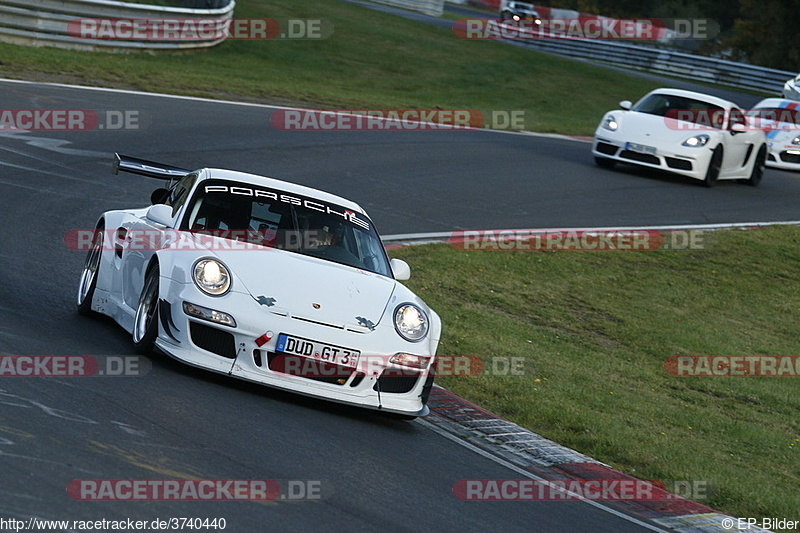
[761, 32]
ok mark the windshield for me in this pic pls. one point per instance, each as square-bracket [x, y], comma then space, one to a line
[682, 108]
[522, 6]
[287, 221]
[777, 114]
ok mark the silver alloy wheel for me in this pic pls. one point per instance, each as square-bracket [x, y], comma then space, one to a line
[146, 309]
[90, 268]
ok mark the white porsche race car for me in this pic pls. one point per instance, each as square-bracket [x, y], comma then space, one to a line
[780, 120]
[266, 281]
[684, 132]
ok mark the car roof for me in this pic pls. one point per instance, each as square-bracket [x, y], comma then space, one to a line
[283, 186]
[727, 104]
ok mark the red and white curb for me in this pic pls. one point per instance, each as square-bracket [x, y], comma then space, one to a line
[541, 459]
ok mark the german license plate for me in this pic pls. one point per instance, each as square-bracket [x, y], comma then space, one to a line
[641, 148]
[321, 351]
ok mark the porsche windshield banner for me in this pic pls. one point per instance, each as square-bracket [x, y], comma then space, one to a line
[290, 199]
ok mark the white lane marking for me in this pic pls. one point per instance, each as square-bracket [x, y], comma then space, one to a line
[424, 238]
[530, 475]
[47, 143]
[266, 106]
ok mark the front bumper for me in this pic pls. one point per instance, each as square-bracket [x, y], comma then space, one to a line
[375, 384]
[691, 162]
[784, 157]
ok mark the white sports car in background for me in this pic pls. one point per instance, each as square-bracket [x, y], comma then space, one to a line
[266, 281]
[517, 11]
[791, 89]
[684, 132]
[780, 120]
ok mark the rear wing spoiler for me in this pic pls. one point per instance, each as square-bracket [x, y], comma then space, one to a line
[146, 168]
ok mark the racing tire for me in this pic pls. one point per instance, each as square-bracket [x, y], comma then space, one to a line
[714, 167]
[604, 162]
[91, 267]
[145, 322]
[759, 165]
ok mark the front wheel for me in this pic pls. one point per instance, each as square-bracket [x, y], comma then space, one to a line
[714, 167]
[91, 267]
[758, 168]
[145, 322]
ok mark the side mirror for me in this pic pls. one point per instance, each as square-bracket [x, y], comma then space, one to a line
[400, 269]
[160, 214]
[626, 105]
[159, 196]
[738, 127]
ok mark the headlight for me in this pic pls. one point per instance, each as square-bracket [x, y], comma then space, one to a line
[697, 141]
[411, 322]
[212, 277]
[796, 140]
[211, 315]
[610, 123]
[410, 360]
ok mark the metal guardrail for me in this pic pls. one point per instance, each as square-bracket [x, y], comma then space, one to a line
[668, 61]
[45, 22]
[429, 7]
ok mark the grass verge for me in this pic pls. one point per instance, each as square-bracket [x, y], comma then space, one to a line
[372, 60]
[595, 329]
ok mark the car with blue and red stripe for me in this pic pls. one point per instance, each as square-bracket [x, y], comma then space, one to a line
[780, 120]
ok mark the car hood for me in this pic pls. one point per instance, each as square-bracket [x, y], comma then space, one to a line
[780, 133]
[647, 129]
[310, 288]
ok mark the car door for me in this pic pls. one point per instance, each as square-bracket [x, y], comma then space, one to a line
[739, 140]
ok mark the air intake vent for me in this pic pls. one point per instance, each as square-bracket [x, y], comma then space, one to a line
[213, 340]
[397, 381]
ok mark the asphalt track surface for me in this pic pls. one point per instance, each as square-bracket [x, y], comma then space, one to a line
[178, 422]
